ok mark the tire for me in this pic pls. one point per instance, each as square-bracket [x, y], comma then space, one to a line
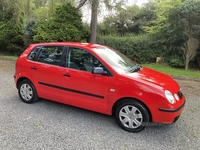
[132, 116]
[175, 120]
[27, 92]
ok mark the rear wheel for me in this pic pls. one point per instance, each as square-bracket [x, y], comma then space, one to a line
[132, 116]
[27, 92]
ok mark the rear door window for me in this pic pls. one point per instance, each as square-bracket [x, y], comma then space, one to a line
[50, 55]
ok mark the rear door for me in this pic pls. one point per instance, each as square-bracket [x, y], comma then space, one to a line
[80, 87]
[47, 71]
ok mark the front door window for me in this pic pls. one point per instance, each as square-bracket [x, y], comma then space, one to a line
[81, 60]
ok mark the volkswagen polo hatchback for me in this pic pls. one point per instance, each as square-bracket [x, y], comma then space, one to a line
[100, 79]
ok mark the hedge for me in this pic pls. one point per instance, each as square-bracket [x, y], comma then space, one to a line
[142, 49]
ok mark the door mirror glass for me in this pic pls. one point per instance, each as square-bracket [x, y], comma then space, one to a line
[98, 70]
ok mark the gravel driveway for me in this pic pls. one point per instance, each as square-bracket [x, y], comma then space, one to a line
[47, 125]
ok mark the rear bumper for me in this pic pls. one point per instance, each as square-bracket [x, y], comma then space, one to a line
[15, 80]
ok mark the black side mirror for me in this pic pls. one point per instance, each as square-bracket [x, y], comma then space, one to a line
[98, 70]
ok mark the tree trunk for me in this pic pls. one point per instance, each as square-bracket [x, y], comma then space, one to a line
[186, 62]
[190, 50]
[198, 61]
[93, 23]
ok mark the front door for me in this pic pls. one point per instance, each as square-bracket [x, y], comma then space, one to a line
[80, 87]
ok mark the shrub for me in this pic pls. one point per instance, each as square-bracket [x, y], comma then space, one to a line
[142, 49]
[64, 25]
[11, 38]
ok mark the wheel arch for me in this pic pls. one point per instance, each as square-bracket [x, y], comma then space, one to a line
[130, 98]
[21, 79]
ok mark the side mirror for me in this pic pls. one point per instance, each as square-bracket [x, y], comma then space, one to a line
[98, 70]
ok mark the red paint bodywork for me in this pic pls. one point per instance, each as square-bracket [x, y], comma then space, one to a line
[146, 86]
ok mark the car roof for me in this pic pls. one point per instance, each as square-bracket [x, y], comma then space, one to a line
[74, 44]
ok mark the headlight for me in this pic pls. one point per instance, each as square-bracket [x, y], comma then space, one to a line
[176, 97]
[169, 96]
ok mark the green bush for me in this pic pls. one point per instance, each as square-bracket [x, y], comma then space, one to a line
[142, 49]
[64, 25]
[176, 62]
[11, 38]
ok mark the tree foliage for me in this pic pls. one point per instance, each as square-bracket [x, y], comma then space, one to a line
[64, 25]
[11, 38]
[166, 23]
[11, 35]
[190, 22]
[18, 18]
[128, 20]
[166, 28]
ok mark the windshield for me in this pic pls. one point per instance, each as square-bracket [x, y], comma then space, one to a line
[118, 61]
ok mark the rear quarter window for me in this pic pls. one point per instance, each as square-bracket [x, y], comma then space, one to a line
[33, 54]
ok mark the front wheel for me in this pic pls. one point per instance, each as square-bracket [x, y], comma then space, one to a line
[27, 92]
[132, 116]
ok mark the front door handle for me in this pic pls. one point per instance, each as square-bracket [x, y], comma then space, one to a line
[66, 75]
[34, 68]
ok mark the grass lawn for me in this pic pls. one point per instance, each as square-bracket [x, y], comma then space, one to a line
[173, 71]
[8, 57]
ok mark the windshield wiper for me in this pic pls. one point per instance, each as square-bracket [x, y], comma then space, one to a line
[136, 69]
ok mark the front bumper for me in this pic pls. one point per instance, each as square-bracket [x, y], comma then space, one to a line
[172, 110]
[168, 116]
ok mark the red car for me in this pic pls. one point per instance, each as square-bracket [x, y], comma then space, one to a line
[100, 79]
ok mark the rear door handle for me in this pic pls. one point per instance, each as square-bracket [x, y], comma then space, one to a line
[34, 68]
[66, 75]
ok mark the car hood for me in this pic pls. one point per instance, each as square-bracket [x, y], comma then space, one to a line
[154, 77]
